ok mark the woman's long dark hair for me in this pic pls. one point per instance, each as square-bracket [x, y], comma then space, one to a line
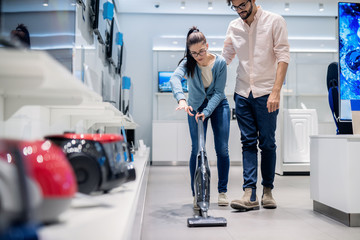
[194, 36]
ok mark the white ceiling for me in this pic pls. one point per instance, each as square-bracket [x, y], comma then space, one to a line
[297, 7]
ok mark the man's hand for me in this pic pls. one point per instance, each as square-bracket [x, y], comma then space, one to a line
[273, 102]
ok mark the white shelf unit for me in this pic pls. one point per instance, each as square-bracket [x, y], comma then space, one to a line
[33, 78]
[304, 89]
[96, 114]
[172, 143]
[335, 176]
[293, 154]
[112, 216]
[305, 86]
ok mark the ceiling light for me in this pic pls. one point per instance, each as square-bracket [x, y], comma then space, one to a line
[321, 7]
[287, 7]
[175, 42]
[182, 6]
[210, 6]
[46, 3]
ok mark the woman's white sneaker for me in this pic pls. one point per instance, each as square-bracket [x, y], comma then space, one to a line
[223, 200]
[196, 207]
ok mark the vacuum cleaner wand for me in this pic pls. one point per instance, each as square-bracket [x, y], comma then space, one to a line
[202, 187]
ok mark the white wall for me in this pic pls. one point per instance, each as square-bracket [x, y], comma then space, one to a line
[140, 30]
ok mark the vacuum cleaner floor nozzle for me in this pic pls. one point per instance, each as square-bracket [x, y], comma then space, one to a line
[206, 222]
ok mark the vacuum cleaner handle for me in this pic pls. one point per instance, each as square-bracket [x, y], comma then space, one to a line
[201, 135]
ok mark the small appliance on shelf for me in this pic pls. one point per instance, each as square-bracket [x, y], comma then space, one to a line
[35, 177]
[97, 159]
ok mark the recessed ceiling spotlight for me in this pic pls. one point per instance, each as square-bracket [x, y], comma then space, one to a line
[210, 6]
[287, 7]
[46, 3]
[213, 43]
[175, 42]
[321, 7]
[182, 5]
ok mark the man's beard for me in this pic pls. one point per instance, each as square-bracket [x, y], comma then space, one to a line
[248, 13]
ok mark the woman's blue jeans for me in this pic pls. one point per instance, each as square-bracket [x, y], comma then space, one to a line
[256, 124]
[220, 122]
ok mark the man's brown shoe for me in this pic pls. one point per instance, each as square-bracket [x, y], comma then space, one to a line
[267, 200]
[249, 201]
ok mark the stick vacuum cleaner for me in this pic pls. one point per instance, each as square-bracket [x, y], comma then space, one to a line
[202, 187]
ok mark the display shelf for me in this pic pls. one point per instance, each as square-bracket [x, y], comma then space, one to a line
[297, 125]
[166, 94]
[98, 114]
[35, 78]
[79, 112]
[116, 215]
[294, 168]
[171, 143]
[335, 177]
[117, 121]
[304, 95]
[44, 82]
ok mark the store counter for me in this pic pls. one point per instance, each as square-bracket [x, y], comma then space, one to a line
[335, 178]
[115, 215]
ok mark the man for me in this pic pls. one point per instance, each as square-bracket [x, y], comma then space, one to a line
[259, 39]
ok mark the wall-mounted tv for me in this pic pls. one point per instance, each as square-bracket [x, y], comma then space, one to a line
[164, 81]
[114, 47]
[102, 14]
[349, 56]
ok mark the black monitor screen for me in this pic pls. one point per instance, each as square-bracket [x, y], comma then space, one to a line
[164, 82]
[115, 44]
[349, 56]
[100, 22]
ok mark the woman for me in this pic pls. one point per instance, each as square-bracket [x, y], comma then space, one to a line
[206, 77]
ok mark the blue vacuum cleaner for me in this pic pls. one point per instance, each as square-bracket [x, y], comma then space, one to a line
[202, 188]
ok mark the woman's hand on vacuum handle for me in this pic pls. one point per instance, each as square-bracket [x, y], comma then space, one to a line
[183, 105]
[199, 115]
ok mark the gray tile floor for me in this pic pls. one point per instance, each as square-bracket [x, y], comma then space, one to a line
[169, 204]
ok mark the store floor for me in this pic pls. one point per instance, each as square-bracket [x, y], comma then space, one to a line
[169, 204]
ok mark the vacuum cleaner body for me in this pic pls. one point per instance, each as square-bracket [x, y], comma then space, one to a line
[202, 181]
[97, 160]
[37, 184]
[202, 187]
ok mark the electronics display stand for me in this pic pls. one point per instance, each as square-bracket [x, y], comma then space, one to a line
[335, 177]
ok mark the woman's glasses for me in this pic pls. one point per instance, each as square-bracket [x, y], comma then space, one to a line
[201, 53]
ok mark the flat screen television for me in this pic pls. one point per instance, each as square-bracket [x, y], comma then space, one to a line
[114, 46]
[100, 17]
[164, 81]
[349, 56]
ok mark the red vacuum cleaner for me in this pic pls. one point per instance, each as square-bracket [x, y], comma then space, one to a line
[97, 159]
[36, 182]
